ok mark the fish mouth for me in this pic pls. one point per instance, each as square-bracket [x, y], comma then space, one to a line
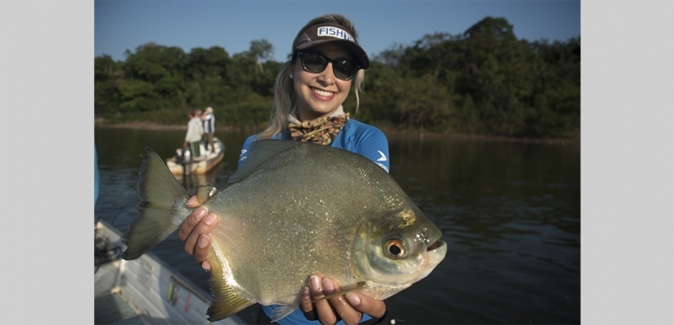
[435, 245]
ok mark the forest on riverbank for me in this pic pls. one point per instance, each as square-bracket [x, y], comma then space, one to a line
[483, 82]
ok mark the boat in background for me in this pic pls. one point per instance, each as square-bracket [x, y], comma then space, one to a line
[145, 290]
[198, 165]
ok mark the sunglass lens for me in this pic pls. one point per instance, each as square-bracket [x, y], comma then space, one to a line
[344, 69]
[314, 62]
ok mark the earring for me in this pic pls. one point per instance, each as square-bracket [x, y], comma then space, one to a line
[291, 76]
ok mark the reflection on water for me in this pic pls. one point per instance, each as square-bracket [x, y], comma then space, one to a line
[193, 181]
[509, 211]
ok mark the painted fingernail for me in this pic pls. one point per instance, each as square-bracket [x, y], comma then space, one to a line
[210, 219]
[203, 241]
[305, 293]
[327, 286]
[315, 283]
[353, 299]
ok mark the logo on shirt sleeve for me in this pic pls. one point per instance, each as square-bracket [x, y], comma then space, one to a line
[383, 156]
[243, 155]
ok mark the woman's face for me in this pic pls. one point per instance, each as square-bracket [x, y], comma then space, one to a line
[320, 94]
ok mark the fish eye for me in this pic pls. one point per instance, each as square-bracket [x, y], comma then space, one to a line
[395, 248]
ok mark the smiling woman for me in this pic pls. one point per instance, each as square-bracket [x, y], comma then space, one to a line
[320, 93]
[309, 91]
[322, 85]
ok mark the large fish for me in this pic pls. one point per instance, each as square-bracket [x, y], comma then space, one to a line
[294, 209]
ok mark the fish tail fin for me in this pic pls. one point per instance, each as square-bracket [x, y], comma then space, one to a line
[161, 210]
[226, 302]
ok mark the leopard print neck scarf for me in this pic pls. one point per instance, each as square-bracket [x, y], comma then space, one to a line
[321, 130]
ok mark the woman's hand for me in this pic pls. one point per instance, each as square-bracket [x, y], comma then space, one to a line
[349, 307]
[196, 230]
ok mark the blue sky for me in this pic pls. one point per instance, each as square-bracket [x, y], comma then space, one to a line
[122, 25]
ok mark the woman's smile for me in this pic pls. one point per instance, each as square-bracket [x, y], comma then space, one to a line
[322, 94]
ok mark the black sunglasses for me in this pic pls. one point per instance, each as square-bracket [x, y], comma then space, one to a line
[314, 62]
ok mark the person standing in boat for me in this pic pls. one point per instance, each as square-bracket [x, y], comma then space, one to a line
[193, 136]
[209, 129]
[308, 95]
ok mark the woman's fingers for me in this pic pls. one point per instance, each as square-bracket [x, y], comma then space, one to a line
[195, 232]
[193, 202]
[201, 250]
[342, 308]
[190, 223]
[326, 314]
[364, 304]
[187, 227]
[331, 310]
[306, 305]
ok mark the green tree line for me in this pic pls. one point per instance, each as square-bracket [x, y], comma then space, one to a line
[484, 81]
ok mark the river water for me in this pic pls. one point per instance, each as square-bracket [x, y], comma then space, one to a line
[509, 212]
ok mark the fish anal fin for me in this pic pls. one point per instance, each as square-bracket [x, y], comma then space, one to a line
[226, 302]
[280, 312]
[358, 286]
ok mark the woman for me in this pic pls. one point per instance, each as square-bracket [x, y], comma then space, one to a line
[308, 95]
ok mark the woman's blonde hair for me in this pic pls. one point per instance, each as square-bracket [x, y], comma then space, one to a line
[285, 98]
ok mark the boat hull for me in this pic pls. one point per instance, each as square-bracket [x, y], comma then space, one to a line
[197, 166]
[145, 289]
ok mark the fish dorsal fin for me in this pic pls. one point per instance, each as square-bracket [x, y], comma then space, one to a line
[226, 302]
[258, 153]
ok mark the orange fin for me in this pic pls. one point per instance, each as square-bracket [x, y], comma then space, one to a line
[226, 302]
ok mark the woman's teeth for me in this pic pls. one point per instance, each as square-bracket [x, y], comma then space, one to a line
[322, 92]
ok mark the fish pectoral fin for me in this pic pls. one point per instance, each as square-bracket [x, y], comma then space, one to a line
[226, 302]
[280, 312]
[358, 286]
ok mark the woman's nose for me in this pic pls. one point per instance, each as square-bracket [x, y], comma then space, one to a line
[327, 76]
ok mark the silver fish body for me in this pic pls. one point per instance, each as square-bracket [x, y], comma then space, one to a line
[295, 209]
